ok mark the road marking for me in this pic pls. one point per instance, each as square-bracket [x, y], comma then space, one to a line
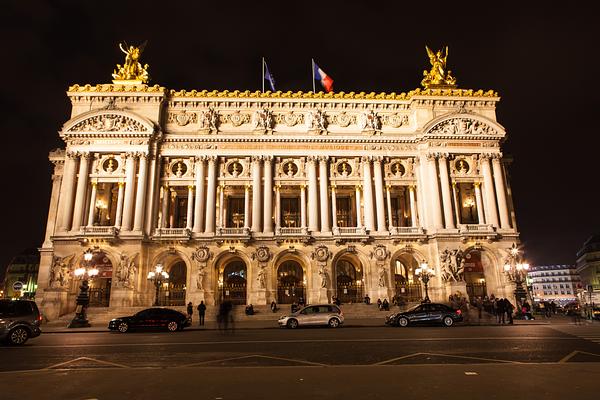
[574, 353]
[62, 364]
[471, 373]
[251, 356]
[212, 343]
[446, 355]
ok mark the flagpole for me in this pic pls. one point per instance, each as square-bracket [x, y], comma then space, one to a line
[263, 74]
[313, 73]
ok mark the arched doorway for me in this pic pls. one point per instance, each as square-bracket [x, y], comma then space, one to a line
[407, 287]
[290, 283]
[474, 275]
[99, 291]
[348, 280]
[174, 295]
[234, 282]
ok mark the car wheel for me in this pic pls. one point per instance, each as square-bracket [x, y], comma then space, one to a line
[334, 323]
[292, 324]
[172, 326]
[403, 322]
[18, 336]
[123, 327]
[448, 321]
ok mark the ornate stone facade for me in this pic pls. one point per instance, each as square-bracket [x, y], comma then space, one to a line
[255, 197]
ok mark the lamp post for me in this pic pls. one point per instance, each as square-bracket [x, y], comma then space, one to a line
[83, 273]
[516, 271]
[158, 276]
[425, 274]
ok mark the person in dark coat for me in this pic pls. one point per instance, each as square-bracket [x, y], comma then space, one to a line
[501, 310]
[201, 313]
[190, 310]
[509, 310]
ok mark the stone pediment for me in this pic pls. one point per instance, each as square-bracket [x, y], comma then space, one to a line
[108, 122]
[464, 125]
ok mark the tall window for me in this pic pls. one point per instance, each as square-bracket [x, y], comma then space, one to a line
[467, 203]
[400, 209]
[235, 212]
[290, 212]
[345, 215]
[106, 204]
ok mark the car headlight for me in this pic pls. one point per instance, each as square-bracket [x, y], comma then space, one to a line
[283, 317]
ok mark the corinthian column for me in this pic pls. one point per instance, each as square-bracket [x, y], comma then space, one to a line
[247, 206]
[92, 208]
[379, 194]
[324, 195]
[211, 189]
[302, 206]
[268, 196]
[413, 206]
[199, 199]
[190, 207]
[277, 209]
[129, 192]
[358, 214]
[447, 199]
[500, 192]
[140, 198]
[368, 194]
[313, 206]
[256, 203]
[80, 196]
[434, 192]
[491, 213]
[151, 194]
[334, 211]
[119, 212]
[66, 192]
[422, 200]
[389, 206]
[164, 213]
[480, 216]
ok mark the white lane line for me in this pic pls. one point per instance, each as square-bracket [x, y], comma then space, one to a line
[448, 355]
[62, 364]
[567, 357]
[253, 356]
[289, 341]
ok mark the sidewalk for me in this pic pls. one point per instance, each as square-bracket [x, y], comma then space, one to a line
[486, 320]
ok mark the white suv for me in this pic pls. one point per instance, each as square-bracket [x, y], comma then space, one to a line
[314, 314]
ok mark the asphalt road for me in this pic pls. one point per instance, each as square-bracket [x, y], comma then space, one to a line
[318, 363]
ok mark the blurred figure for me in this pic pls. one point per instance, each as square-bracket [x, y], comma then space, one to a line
[201, 312]
[190, 311]
[249, 309]
[385, 305]
[367, 299]
[273, 306]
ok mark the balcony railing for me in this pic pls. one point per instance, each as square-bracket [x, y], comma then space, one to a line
[292, 231]
[350, 231]
[408, 230]
[224, 231]
[476, 228]
[172, 233]
[100, 231]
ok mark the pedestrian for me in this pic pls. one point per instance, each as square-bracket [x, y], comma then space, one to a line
[509, 310]
[201, 312]
[501, 311]
[190, 311]
[273, 306]
[385, 305]
[294, 307]
[479, 304]
[367, 299]
[379, 303]
[250, 309]
[227, 315]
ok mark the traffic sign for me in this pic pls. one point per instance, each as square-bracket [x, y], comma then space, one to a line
[18, 285]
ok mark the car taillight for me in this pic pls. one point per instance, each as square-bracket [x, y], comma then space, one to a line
[39, 318]
[458, 312]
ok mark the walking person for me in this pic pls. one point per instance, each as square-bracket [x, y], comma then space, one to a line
[509, 310]
[190, 311]
[501, 310]
[201, 313]
[273, 306]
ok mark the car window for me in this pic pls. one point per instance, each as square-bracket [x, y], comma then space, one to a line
[415, 308]
[334, 309]
[23, 308]
[324, 309]
[7, 308]
[143, 314]
[441, 307]
[427, 308]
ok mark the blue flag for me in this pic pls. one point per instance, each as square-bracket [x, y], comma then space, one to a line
[269, 77]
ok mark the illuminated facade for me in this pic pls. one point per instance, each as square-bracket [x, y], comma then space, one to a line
[255, 197]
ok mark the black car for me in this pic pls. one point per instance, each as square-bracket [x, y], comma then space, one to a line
[151, 318]
[19, 321]
[428, 313]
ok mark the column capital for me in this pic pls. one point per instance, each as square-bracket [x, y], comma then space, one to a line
[85, 155]
[94, 182]
[311, 159]
[191, 187]
[496, 157]
[257, 159]
[199, 159]
[377, 159]
[211, 159]
[267, 159]
[366, 159]
[431, 156]
[485, 156]
[476, 184]
[323, 159]
[443, 156]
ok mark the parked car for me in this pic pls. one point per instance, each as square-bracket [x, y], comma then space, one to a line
[313, 315]
[428, 313]
[150, 318]
[19, 321]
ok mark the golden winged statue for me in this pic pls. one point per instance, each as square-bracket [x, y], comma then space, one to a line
[438, 75]
[132, 70]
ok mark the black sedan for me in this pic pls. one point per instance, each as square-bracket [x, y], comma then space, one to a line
[151, 318]
[428, 313]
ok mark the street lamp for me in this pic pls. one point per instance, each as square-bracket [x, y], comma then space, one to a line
[83, 273]
[425, 273]
[158, 276]
[516, 270]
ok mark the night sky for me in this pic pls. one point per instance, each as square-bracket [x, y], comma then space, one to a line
[541, 60]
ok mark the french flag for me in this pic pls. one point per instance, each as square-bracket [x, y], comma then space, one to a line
[322, 77]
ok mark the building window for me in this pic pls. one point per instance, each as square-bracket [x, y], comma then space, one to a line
[106, 204]
[400, 203]
[467, 203]
[290, 212]
[345, 216]
[235, 212]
